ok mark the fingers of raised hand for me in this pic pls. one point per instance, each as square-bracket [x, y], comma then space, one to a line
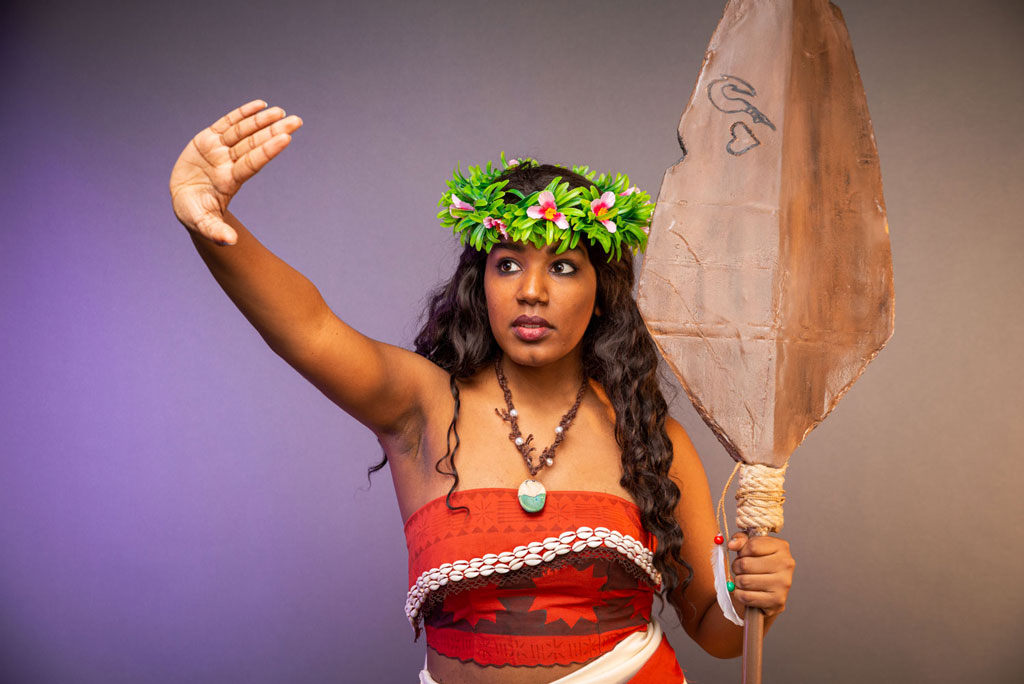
[250, 125]
[235, 116]
[288, 125]
[249, 164]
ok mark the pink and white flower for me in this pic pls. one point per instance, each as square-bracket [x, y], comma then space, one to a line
[460, 205]
[497, 224]
[629, 191]
[601, 206]
[547, 209]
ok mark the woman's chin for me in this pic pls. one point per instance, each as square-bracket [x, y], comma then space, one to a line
[537, 354]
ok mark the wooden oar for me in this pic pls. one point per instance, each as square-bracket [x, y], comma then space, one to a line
[767, 282]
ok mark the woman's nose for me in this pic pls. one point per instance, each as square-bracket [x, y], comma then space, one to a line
[532, 287]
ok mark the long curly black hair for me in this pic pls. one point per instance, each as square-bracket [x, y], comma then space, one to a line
[617, 351]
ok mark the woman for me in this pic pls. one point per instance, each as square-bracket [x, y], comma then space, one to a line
[515, 581]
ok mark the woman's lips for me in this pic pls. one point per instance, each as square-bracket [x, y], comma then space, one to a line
[531, 328]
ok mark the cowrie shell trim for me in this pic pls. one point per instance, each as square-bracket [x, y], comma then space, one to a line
[532, 554]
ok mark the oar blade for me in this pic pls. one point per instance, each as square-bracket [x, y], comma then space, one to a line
[767, 282]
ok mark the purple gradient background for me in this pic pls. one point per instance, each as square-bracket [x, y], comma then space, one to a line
[177, 505]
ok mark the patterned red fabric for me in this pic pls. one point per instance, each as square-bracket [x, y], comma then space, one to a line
[570, 610]
[661, 668]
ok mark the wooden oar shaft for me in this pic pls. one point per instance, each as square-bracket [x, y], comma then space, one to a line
[753, 640]
[753, 636]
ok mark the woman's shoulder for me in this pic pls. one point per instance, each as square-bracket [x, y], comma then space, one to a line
[677, 433]
[686, 462]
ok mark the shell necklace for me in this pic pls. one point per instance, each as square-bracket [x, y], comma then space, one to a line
[531, 492]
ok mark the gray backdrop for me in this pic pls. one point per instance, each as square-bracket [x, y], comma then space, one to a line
[177, 505]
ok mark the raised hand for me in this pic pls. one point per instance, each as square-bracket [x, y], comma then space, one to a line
[219, 159]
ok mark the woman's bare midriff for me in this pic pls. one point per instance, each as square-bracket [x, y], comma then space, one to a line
[453, 671]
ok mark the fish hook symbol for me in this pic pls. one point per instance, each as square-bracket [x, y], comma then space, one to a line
[726, 88]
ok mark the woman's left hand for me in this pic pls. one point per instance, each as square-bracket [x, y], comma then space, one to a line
[762, 571]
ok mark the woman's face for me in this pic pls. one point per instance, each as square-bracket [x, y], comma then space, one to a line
[539, 303]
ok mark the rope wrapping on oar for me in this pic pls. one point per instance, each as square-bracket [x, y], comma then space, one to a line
[759, 498]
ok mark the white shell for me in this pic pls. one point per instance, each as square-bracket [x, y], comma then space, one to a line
[531, 488]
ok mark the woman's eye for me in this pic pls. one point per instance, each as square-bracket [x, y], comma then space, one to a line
[508, 266]
[563, 268]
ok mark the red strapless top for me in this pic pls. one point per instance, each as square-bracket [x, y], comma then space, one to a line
[500, 586]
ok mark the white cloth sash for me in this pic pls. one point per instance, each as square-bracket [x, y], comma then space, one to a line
[617, 666]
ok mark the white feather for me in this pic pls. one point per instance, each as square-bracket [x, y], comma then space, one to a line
[718, 561]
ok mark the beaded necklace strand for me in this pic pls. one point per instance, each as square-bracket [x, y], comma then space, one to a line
[532, 494]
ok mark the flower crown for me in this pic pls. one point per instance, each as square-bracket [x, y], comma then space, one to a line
[611, 213]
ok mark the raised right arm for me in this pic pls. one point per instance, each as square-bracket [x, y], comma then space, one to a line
[384, 387]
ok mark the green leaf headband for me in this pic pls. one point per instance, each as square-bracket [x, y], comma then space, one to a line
[611, 213]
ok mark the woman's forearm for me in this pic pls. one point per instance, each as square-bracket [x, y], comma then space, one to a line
[721, 637]
[282, 304]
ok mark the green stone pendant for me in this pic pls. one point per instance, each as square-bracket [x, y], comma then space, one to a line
[532, 495]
